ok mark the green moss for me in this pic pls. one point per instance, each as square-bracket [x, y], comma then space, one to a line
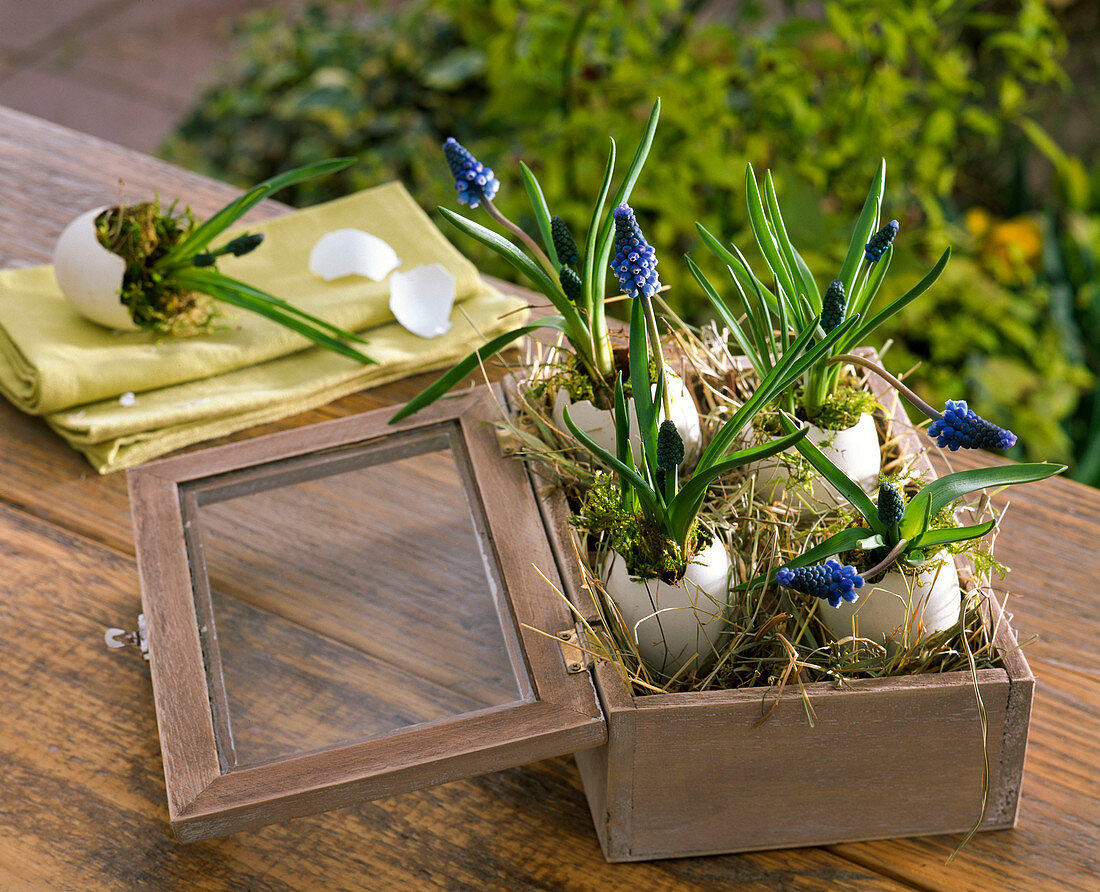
[568, 376]
[842, 409]
[571, 377]
[647, 551]
[141, 234]
[985, 564]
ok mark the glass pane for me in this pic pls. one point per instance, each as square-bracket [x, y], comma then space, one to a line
[347, 596]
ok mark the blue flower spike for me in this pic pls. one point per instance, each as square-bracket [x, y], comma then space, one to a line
[245, 244]
[962, 428]
[670, 446]
[891, 504]
[564, 244]
[474, 182]
[880, 241]
[570, 284]
[635, 262]
[833, 306]
[829, 581]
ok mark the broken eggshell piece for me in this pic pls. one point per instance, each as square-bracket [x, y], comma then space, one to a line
[422, 299]
[352, 252]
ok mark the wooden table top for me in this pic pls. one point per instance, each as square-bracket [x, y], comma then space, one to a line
[82, 798]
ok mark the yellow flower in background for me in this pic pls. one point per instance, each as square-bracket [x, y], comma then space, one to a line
[1011, 250]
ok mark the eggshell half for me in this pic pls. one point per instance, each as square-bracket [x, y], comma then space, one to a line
[90, 276]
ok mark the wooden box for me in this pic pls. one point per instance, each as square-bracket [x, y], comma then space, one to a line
[304, 658]
[699, 773]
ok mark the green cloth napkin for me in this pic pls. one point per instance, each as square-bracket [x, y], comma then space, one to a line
[55, 363]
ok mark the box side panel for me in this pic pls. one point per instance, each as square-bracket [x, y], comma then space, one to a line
[592, 765]
[1004, 795]
[607, 772]
[877, 763]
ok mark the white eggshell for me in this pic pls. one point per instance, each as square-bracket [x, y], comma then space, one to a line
[90, 276]
[672, 623]
[352, 252]
[422, 299]
[599, 424]
[901, 608]
[855, 450]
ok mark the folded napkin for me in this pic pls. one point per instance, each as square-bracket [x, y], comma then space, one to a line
[78, 375]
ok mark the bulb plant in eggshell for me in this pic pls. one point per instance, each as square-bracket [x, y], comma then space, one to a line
[766, 319]
[572, 276]
[665, 573]
[912, 590]
[149, 267]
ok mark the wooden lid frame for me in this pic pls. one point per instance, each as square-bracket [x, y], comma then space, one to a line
[558, 711]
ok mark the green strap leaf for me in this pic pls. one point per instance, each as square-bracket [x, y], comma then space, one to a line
[860, 335]
[645, 409]
[808, 278]
[622, 422]
[541, 211]
[874, 281]
[935, 538]
[641, 153]
[865, 226]
[298, 321]
[512, 254]
[836, 544]
[840, 481]
[576, 329]
[605, 240]
[805, 284]
[202, 279]
[434, 391]
[645, 495]
[223, 219]
[760, 320]
[945, 490]
[592, 294]
[738, 267]
[727, 317]
[765, 238]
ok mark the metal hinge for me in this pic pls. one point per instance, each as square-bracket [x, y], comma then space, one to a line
[122, 638]
[576, 660]
[507, 442]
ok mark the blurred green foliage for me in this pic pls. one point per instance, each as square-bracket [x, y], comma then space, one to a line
[946, 90]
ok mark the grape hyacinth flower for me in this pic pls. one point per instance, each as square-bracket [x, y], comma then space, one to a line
[570, 283]
[880, 241]
[635, 261]
[833, 306]
[961, 427]
[564, 244]
[829, 581]
[241, 245]
[957, 427]
[473, 180]
[670, 446]
[891, 504]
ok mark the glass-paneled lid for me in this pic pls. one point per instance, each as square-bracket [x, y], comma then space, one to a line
[346, 611]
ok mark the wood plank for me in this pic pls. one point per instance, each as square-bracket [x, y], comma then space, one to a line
[83, 806]
[1049, 537]
[83, 802]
